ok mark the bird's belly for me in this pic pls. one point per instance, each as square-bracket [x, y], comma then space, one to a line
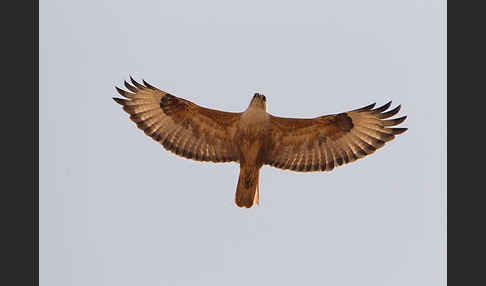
[250, 143]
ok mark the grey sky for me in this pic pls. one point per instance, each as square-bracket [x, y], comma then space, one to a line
[117, 209]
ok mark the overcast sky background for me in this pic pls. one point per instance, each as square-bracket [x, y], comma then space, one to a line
[117, 209]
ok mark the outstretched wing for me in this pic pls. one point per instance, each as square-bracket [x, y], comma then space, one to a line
[181, 126]
[322, 143]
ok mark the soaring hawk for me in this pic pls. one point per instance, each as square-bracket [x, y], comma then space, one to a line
[254, 137]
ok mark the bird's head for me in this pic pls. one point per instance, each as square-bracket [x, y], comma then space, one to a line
[259, 101]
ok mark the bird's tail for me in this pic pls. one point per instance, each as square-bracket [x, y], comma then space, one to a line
[247, 189]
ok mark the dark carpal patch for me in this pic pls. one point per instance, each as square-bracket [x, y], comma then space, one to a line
[344, 122]
[171, 104]
[163, 103]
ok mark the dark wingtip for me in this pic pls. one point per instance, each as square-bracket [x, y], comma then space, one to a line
[136, 83]
[368, 107]
[397, 131]
[122, 92]
[383, 107]
[390, 113]
[119, 100]
[395, 121]
[129, 86]
[147, 84]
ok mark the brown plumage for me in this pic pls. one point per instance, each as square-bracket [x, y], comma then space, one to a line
[254, 137]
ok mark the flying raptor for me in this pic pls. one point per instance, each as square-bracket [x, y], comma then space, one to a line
[254, 137]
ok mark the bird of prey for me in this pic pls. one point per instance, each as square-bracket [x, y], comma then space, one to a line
[254, 138]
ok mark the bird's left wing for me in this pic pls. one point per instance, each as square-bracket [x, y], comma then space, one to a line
[325, 142]
[181, 126]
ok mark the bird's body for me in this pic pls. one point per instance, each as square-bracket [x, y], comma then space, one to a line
[254, 137]
[251, 136]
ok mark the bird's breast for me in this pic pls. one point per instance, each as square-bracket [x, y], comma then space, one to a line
[252, 123]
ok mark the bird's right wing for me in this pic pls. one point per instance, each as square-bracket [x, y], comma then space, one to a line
[325, 142]
[181, 126]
